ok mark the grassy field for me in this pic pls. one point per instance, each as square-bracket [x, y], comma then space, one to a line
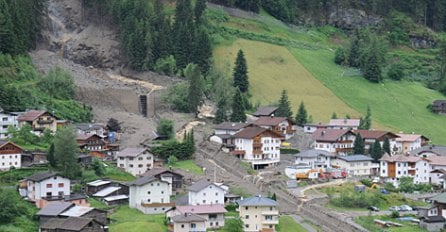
[287, 224]
[273, 68]
[132, 220]
[187, 165]
[367, 222]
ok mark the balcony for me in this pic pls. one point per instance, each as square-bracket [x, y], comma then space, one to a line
[270, 222]
[41, 121]
[273, 212]
[263, 161]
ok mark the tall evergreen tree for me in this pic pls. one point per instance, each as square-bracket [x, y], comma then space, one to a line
[161, 40]
[301, 115]
[8, 39]
[353, 56]
[203, 50]
[284, 109]
[372, 67]
[51, 158]
[66, 151]
[195, 89]
[183, 33]
[358, 146]
[334, 116]
[200, 7]
[368, 119]
[386, 146]
[222, 110]
[238, 108]
[376, 152]
[241, 73]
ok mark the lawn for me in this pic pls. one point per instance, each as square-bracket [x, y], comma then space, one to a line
[367, 222]
[397, 105]
[132, 220]
[287, 224]
[187, 165]
[111, 172]
[273, 68]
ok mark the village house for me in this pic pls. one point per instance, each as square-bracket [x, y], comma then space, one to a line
[310, 128]
[370, 136]
[335, 141]
[150, 195]
[409, 142]
[397, 166]
[7, 120]
[91, 142]
[86, 212]
[173, 178]
[436, 177]
[39, 120]
[429, 150]
[314, 158]
[90, 129]
[258, 213]
[53, 210]
[72, 224]
[265, 111]
[135, 161]
[187, 223]
[430, 218]
[344, 124]
[280, 125]
[437, 168]
[439, 106]
[258, 146]
[204, 192]
[356, 165]
[10, 155]
[213, 214]
[224, 131]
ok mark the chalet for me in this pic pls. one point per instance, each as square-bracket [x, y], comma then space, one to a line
[204, 192]
[280, 125]
[72, 224]
[10, 155]
[187, 222]
[344, 124]
[409, 142]
[150, 195]
[396, 166]
[314, 158]
[265, 111]
[335, 141]
[135, 161]
[213, 214]
[258, 146]
[175, 179]
[7, 120]
[370, 136]
[356, 165]
[39, 120]
[91, 142]
[224, 131]
[258, 214]
[439, 106]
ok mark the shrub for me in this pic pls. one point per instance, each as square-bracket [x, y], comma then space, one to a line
[396, 72]
[395, 214]
[340, 56]
[165, 128]
[367, 182]
[166, 66]
[231, 207]
[58, 83]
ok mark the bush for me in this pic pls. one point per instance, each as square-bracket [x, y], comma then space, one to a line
[367, 182]
[166, 66]
[231, 207]
[396, 72]
[165, 128]
[289, 151]
[395, 214]
[177, 97]
[340, 56]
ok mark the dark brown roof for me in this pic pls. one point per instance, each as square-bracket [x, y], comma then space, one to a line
[85, 137]
[131, 152]
[157, 171]
[270, 121]
[251, 132]
[31, 115]
[265, 111]
[4, 142]
[375, 134]
[70, 223]
[329, 135]
[42, 176]
[231, 126]
[54, 208]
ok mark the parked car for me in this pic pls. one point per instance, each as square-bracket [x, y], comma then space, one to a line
[373, 208]
[394, 208]
[405, 208]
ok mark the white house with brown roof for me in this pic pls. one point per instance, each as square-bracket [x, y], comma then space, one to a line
[258, 214]
[224, 132]
[150, 195]
[334, 140]
[397, 166]
[187, 222]
[136, 161]
[258, 146]
[43, 185]
[355, 165]
[409, 142]
[213, 214]
[370, 136]
[280, 125]
[204, 192]
[10, 155]
[39, 120]
[344, 124]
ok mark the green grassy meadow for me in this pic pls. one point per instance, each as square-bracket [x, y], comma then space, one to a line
[132, 220]
[287, 224]
[187, 165]
[367, 223]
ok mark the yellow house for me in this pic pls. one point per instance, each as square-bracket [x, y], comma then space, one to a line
[259, 214]
[39, 120]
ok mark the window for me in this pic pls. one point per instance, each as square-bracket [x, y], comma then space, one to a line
[182, 225]
[131, 158]
[140, 158]
[148, 192]
[49, 194]
[121, 165]
[149, 157]
[131, 165]
[148, 200]
[269, 217]
[121, 158]
[49, 185]
[271, 208]
[140, 165]
[211, 224]
[204, 201]
[247, 226]
[4, 119]
[60, 185]
[212, 216]
[162, 192]
[193, 225]
[60, 193]
[246, 208]
[246, 216]
[216, 223]
[204, 194]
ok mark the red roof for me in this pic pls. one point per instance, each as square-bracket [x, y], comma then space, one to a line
[251, 132]
[329, 135]
[374, 134]
[400, 158]
[270, 121]
[201, 209]
[31, 115]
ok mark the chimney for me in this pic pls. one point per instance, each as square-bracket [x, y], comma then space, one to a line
[185, 214]
[322, 133]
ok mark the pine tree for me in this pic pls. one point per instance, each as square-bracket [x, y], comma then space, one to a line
[66, 151]
[203, 50]
[161, 39]
[200, 7]
[183, 33]
[372, 67]
[238, 108]
[334, 116]
[368, 119]
[221, 114]
[376, 152]
[8, 39]
[51, 158]
[301, 115]
[358, 146]
[284, 109]
[241, 73]
[353, 57]
[195, 93]
[386, 146]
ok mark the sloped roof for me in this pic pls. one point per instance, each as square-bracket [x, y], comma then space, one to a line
[231, 126]
[42, 176]
[143, 180]
[54, 208]
[106, 191]
[440, 198]
[439, 150]
[131, 152]
[70, 223]
[265, 110]
[199, 185]
[374, 134]
[269, 121]
[158, 170]
[77, 211]
[31, 115]
[400, 158]
[344, 122]
[313, 153]
[437, 160]
[85, 137]
[355, 158]
[408, 137]
[329, 135]
[115, 198]
[4, 142]
[257, 201]
[187, 218]
[89, 126]
[98, 183]
[202, 209]
[251, 132]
